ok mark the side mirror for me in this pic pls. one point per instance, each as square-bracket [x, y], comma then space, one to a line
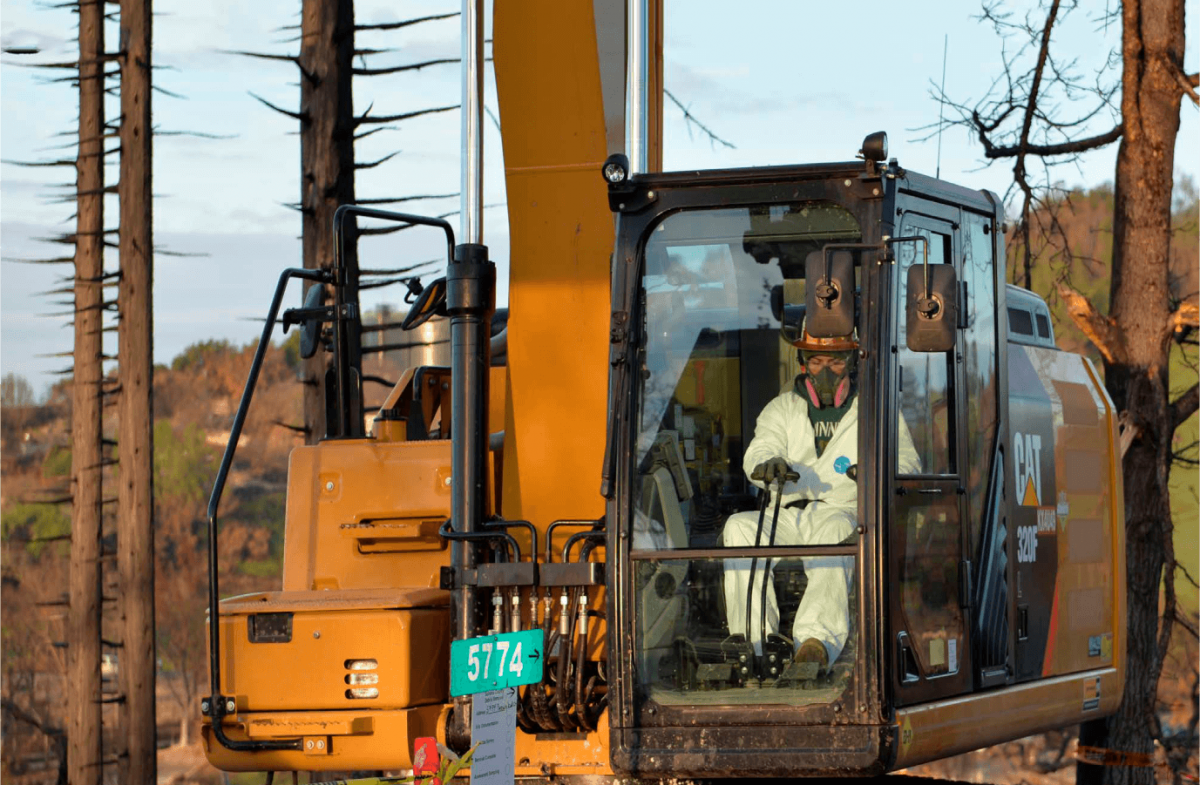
[829, 293]
[931, 308]
[310, 329]
[431, 302]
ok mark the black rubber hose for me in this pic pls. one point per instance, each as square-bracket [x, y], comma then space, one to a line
[447, 533]
[762, 605]
[762, 514]
[597, 708]
[562, 702]
[502, 524]
[596, 525]
[538, 698]
[580, 696]
[596, 537]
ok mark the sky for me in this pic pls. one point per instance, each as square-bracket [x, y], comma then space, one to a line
[783, 82]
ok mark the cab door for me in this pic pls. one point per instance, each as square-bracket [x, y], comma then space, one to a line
[928, 624]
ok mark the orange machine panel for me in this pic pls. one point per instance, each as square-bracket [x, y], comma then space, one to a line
[380, 649]
[1086, 620]
[340, 740]
[362, 514]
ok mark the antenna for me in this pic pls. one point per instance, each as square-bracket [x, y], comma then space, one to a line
[942, 102]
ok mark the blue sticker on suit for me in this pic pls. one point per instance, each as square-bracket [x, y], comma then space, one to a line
[841, 465]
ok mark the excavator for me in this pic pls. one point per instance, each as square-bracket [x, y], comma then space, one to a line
[570, 476]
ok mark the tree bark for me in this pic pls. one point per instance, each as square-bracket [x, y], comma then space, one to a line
[84, 730]
[135, 497]
[326, 159]
[1141, 310]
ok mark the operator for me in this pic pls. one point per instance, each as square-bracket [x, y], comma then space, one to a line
[812, 430]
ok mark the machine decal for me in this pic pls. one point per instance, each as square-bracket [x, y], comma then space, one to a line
[906, 734]
[1100, 645]
[1034, 465]
[1027, 544]
[1091, 694]
[1027, 466]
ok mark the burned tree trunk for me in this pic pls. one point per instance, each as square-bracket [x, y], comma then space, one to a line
[1136, 342]
[135, 530]
[326, 158]
[84, 729]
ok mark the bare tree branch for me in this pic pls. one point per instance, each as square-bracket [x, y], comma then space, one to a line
[1187, 83]
[263, 56]
[1184, 407]
[301, 116]
[1064, 148]
[400, 68]
[1187, 315]
[364, 119]
[405, 23]
[1099, 329]
[691, 120]
[373, 164]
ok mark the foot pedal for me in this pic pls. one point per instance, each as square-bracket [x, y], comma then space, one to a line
[718, 676]
[798, 672]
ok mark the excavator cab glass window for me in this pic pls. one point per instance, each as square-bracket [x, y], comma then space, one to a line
[726, 600]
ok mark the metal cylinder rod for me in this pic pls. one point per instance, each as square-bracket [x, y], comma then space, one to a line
[472, 122]
[637, 85]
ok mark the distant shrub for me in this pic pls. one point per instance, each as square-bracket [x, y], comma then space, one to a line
[291, 350]
[267, 568]
[57, 463]
[197, 354]
[184, 463]
[35, 525]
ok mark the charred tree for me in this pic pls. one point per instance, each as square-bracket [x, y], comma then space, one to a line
[85, 721]
[326, 159]
[328, 131]
[135, 496]
[1135, 339]
[1024, 124]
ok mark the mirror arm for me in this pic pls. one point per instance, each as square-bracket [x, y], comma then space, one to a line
[916, 238]
[301, 315]
[826, 292]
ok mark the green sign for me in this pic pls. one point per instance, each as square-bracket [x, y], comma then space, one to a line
[494, 662]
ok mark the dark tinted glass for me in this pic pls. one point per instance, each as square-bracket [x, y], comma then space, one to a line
[979, 361]
[1020, 322]
[1043, 326]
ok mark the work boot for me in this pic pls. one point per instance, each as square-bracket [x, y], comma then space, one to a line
[812, 659]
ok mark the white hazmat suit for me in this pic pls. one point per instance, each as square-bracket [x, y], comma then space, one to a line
[784, 430]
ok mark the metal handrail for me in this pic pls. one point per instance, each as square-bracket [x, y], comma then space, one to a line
[217, 703]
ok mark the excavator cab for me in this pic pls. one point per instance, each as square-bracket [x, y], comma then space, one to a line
[714, 275]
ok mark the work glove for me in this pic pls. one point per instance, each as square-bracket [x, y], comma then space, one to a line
[772, 470]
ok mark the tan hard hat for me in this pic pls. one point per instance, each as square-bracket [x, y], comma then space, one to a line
[812, 345]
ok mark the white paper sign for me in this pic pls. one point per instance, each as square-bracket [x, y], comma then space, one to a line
[494, 730]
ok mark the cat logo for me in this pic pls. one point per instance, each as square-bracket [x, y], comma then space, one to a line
[1027, 467]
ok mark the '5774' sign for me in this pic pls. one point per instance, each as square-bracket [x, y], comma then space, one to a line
[493, 662]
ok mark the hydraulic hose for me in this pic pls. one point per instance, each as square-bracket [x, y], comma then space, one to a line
[762, 514]
[762, 605]
[538, 700]
[562, 696]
